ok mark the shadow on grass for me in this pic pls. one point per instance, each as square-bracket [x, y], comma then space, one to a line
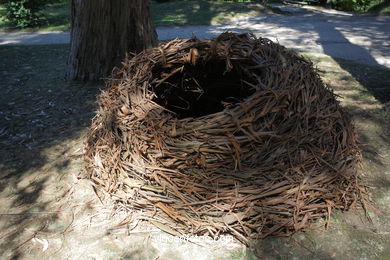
[57, 16]
[40, 116]
[181, 13]
[39, 109]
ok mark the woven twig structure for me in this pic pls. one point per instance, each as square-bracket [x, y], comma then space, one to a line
[231, 135]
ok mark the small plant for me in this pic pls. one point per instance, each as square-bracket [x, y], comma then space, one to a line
[384, 116]
[24, 13]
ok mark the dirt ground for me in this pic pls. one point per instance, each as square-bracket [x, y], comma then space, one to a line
[49, 210]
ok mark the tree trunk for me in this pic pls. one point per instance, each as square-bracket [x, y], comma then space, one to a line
[103, 31]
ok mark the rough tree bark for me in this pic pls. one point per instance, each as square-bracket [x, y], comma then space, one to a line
[102, 31]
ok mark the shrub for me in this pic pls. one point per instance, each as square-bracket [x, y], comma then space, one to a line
[24, 13]
[351, 5]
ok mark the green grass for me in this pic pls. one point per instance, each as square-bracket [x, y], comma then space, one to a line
[203, 12]
[57, 16]
[196, 12]
[385, 11]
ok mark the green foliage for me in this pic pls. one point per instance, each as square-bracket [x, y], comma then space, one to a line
[352, 5]
[24, 13]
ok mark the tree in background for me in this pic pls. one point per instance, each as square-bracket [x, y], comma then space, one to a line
[103, 31]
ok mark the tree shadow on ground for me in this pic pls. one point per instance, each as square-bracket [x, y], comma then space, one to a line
[380, 92]
[41, 118]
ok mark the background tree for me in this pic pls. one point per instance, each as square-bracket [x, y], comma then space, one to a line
[102, 31]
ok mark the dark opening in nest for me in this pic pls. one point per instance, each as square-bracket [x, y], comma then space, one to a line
[202, 89]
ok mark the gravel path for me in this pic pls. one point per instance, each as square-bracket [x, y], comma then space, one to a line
[363, 39]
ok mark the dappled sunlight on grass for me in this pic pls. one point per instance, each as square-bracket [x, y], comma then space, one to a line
[58, 17]
[203, 12]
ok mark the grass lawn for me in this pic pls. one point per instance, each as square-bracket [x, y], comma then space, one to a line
[386, 11]
[195, 12]
[42, 131]
[203, 12]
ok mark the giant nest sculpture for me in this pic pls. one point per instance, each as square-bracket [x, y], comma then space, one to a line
[231, 135]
